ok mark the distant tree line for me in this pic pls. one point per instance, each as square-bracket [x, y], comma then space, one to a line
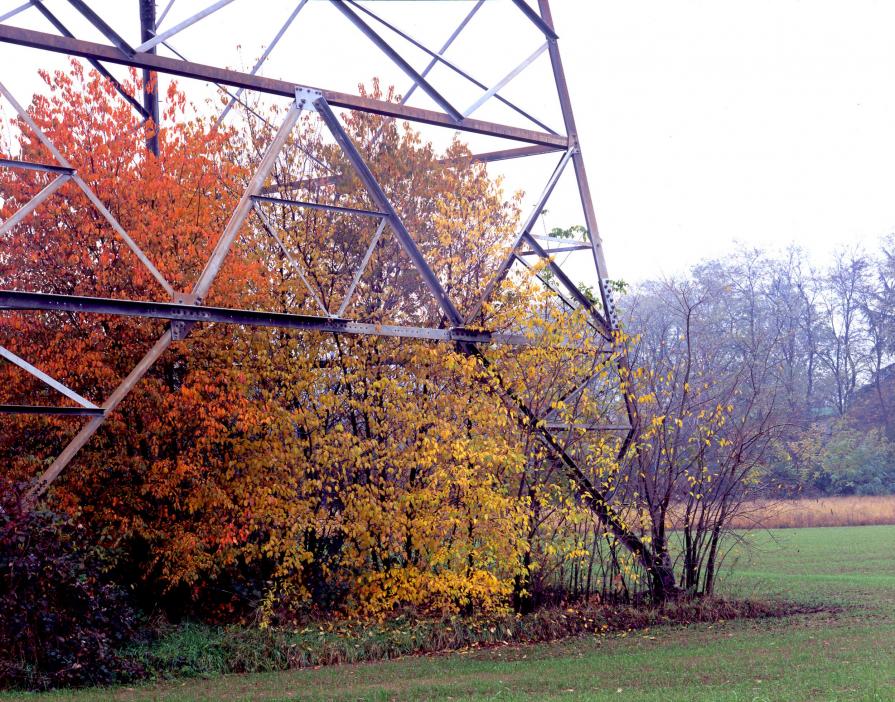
[815, 344]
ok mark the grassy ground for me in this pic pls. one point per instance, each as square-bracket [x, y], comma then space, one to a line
[847, 653]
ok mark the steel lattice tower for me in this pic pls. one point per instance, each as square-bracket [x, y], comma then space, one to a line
[184, 309]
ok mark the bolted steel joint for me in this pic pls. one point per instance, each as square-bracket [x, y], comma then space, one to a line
[180, 329]
[306, 97]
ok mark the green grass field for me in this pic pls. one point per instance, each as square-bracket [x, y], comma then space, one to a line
[844, 653]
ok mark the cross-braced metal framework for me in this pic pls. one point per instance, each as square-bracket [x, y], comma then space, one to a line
[185, 309]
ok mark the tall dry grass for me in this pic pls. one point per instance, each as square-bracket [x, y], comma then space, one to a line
[821, 512]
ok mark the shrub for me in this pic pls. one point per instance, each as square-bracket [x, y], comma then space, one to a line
[858, 462]
[61, 619]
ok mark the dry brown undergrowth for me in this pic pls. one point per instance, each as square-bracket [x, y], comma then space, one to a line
[820, 512]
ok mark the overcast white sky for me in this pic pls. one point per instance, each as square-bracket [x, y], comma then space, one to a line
[702, 122]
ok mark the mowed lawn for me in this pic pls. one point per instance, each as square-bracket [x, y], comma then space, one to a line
[845, 653]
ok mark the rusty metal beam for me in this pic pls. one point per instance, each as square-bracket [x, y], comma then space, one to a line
[189, 69]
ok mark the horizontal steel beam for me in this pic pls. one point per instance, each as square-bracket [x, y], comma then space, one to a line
[316, 206]
[562, 426]
[559, 249]
[43, 409]
[506, 154]
[16, 300]
[189, 69]
[32, 166]
[484, 157]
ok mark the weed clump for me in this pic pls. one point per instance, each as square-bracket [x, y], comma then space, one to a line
[200, 650]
